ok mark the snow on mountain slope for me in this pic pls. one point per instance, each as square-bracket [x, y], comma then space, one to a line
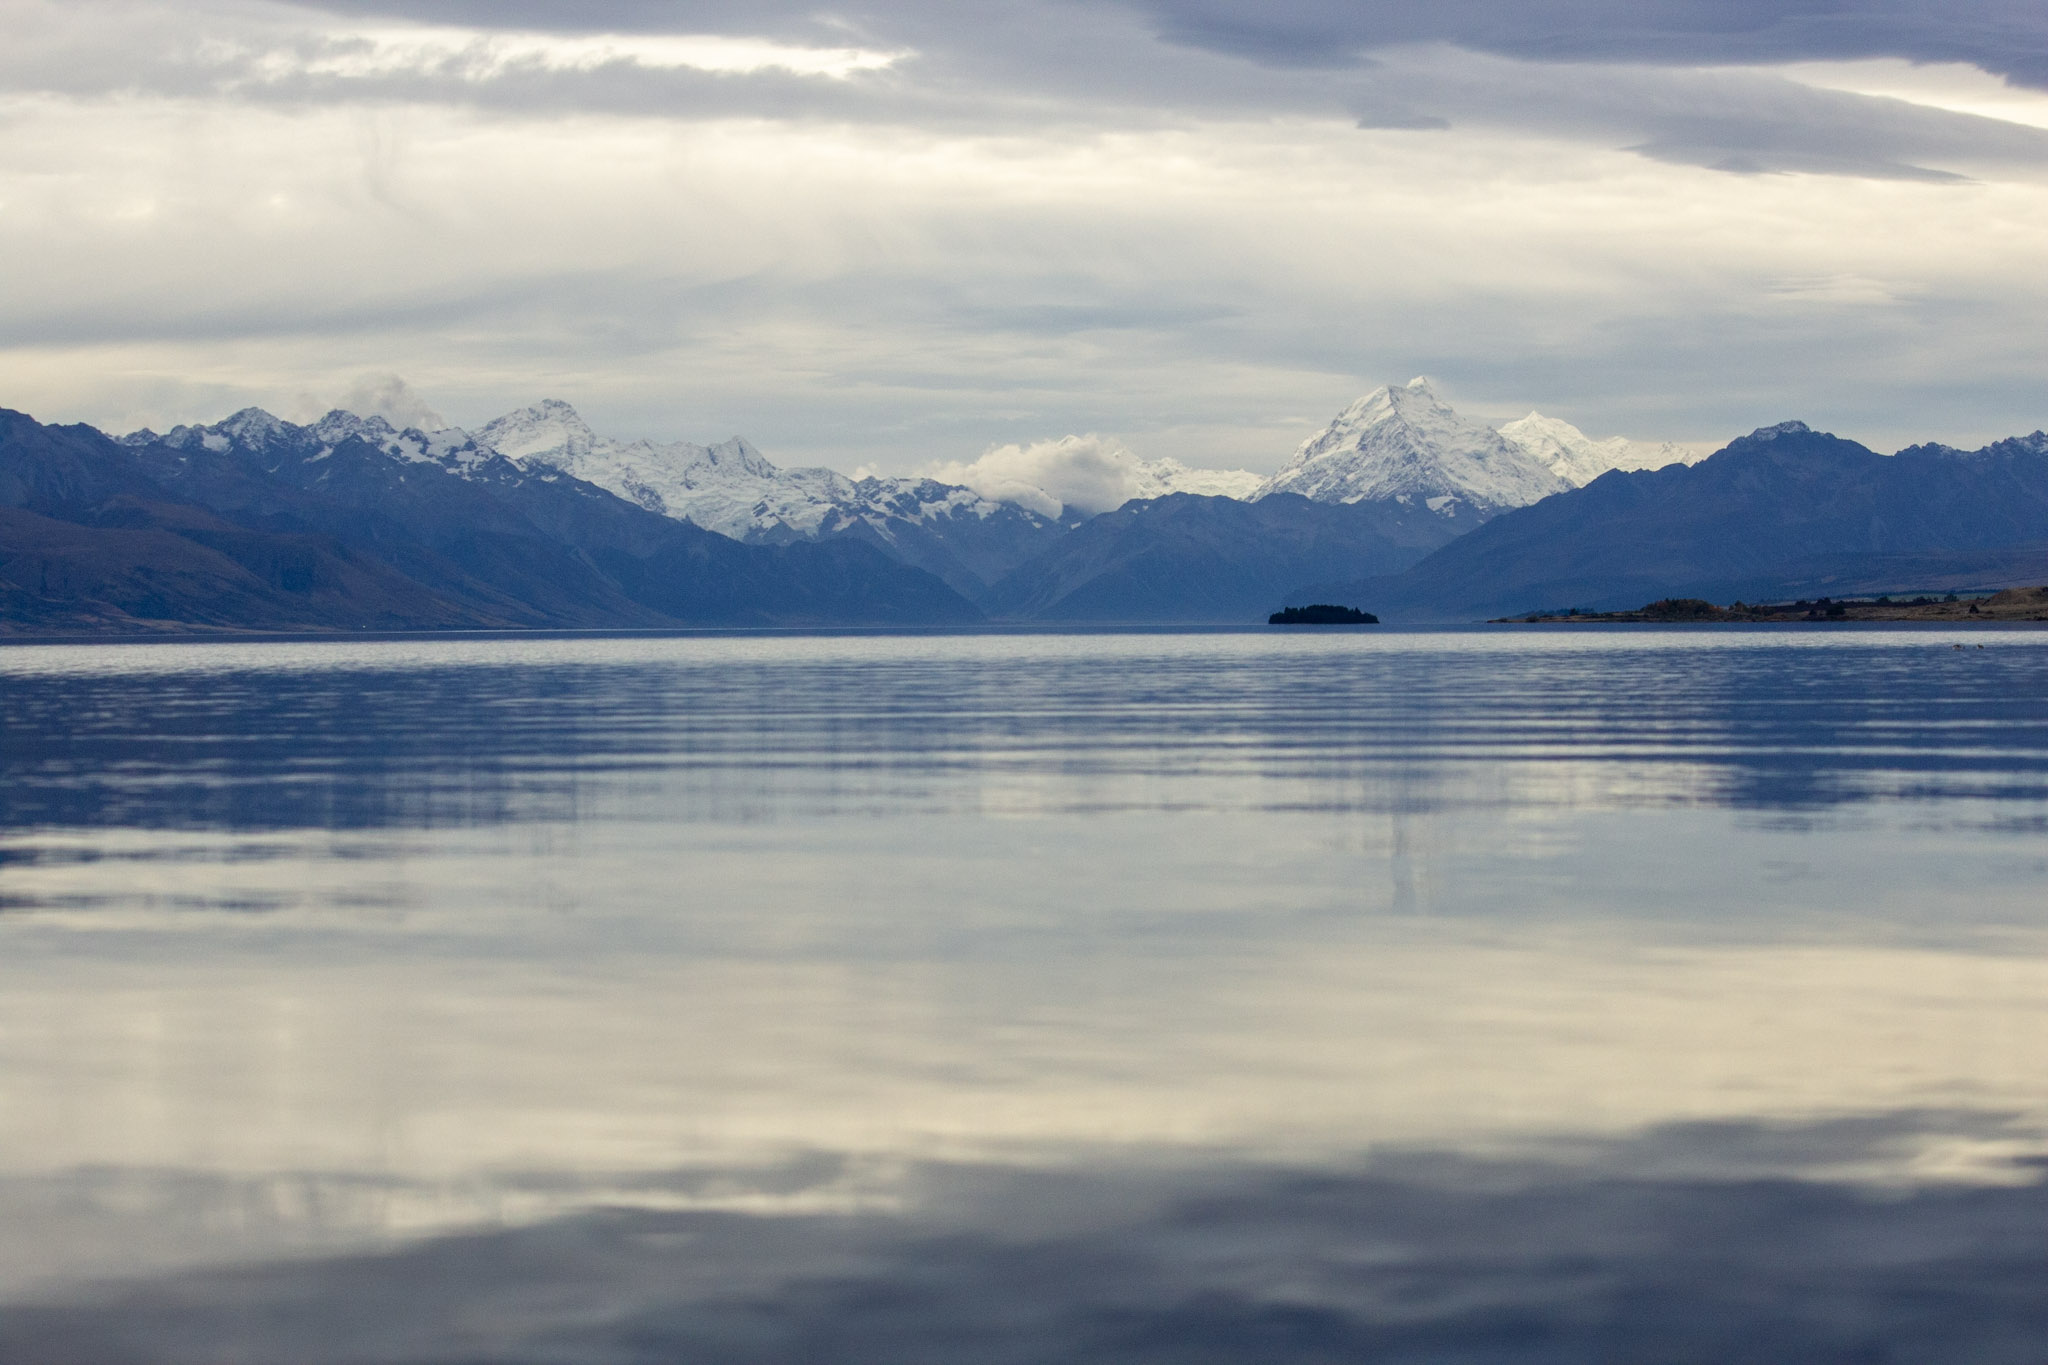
[1401, 442]
[1578, 459]
[266, 439]
[965, 538]
[730, 488]
[1406, 443]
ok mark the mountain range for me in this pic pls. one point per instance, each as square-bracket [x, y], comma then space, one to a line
[1400, 504]
[258, 524]
[967, 540]
[1783, 512]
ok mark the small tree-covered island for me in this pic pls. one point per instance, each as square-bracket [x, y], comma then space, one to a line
[1322, 614]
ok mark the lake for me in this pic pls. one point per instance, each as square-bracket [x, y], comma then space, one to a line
[1468, 995]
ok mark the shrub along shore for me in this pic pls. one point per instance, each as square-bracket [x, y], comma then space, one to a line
[2013, 604]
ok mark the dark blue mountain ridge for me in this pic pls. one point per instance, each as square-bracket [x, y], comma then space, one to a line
[259, 524]
[970, 551]
[88, 542]
[915, 523]
[1783, 511]
[1190, 558]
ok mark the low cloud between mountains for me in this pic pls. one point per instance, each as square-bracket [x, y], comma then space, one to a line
[1090, 474]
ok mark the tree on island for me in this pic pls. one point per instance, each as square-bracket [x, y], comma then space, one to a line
[1682, 609]
[1322, 614]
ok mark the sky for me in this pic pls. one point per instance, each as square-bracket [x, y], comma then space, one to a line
[896, 233]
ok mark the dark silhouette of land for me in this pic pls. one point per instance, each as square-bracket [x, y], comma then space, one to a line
[1322, 614]
[2013, 604]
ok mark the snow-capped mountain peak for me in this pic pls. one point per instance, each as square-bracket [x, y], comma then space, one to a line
[258, 435]
[451, 447]
[730, 488]
[1578, 459]
[550, 430]
[1404, 442]
[338, 426]
[249, 428]
[252, 425]
[737, 456]
[733, 489]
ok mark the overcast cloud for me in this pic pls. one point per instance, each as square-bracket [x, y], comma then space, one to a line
[910, 233]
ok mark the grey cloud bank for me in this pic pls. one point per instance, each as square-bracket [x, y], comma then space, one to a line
[914, 232]
[2007, 37]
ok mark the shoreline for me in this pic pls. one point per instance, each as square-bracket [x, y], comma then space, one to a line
[2011, 604]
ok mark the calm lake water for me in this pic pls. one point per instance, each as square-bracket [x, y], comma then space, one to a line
[1407, 996]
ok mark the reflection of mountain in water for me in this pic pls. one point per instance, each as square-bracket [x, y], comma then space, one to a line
[338, 735]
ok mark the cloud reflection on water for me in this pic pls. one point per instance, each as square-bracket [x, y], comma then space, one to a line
[1164, 998]
[1685, 1243]
[341, 734]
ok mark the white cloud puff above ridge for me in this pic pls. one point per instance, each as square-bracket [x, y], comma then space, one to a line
[1089, 474]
